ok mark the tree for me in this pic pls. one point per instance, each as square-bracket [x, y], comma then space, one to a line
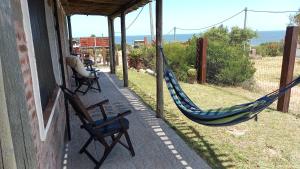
[217, 34]
[227, 62]
[93, 35]
[240, 36]
[236, 37]
[295, 20]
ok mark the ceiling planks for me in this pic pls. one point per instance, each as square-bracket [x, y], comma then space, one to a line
[111, 8]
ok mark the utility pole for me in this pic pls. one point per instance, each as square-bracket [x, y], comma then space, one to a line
[245, 18]
[245, 25]
[174, 33]
[151, 22]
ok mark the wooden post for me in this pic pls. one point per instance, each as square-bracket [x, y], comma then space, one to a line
[111, 31]
[124, 55]
[159, 61]
[288, 62]
[201, 60]
[70, 34]
[61, 60]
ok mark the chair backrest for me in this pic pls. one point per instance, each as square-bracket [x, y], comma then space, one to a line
[78, 106]
[75, 73]
[75, 63]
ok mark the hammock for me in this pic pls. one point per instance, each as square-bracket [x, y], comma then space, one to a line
[221, 116]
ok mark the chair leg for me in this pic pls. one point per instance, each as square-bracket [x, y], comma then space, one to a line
[129, 143]
[108, 150]
[105, 154]
[85, 145]
[77, 89]
[88, 88]
[98, 85]
[112, 137]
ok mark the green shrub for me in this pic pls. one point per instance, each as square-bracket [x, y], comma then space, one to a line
[191, 73]
[227, 62]
[136, 53]
[270, 49]
[149, 56]
[178, 59]
[227, 65]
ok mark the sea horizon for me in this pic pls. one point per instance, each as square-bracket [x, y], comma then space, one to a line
[262, 37]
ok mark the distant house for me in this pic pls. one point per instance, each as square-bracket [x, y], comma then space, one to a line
[139, 43]
[92, 46]
[94, 42]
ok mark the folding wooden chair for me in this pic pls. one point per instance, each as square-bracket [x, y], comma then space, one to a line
[114, 127]
[86, 81]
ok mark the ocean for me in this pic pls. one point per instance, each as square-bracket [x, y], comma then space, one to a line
[262, 37]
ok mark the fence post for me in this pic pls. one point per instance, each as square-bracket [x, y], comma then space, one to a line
[201, 60]
[288, 62]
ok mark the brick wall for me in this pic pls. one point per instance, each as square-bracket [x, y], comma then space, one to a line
[48, 152]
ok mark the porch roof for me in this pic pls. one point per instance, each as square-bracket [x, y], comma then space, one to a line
[111, 8]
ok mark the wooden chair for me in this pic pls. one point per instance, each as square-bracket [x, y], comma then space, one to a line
[114, 127]
[86, 81]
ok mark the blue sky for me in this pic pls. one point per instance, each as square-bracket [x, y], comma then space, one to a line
[194, 14]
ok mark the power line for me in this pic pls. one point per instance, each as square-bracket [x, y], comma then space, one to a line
[213, 25]
[171, 30]
[135, 19]
[218, 23]
[251, 10]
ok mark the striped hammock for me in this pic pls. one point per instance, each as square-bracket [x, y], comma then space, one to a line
[221, 116]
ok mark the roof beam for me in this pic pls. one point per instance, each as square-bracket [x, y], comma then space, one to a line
[125, 7]
[95, 2]
[111, 8]
[117, 2]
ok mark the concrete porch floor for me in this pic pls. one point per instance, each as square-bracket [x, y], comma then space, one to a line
[156, 145]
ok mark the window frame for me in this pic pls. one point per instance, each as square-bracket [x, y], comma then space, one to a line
[44, 118]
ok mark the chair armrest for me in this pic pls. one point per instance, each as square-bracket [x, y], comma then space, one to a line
[97, 104]
[118, 117]
[93, 70]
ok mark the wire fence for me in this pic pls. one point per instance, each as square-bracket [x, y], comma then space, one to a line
[268, 69]
[267, 78]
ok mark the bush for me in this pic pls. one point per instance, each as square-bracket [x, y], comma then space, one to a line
[227, 62]
[270, 49]
[191, 73]
[178, 59]
[149, 56]
[136, 54]
[135, 58]
[227, 65]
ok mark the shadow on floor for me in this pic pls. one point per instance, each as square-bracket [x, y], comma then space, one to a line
[198, 142]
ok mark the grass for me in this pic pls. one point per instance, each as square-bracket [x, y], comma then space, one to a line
[272, 142]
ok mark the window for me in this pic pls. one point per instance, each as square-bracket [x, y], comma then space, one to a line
[46, 78]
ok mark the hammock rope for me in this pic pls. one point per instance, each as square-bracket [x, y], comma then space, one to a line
[221, 116]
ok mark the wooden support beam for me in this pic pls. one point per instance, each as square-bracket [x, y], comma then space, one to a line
[1, 156]
[123, 44]
[61, 61]
[201, 60]
[111, 31]
[70, 34]
[159, 61]
[288, 62]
